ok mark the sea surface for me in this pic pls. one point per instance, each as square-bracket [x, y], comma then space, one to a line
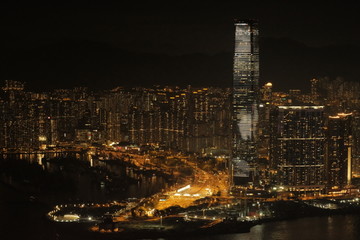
[24, 219]
[337, 227]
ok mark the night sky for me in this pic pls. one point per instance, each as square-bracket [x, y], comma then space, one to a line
[104, 46]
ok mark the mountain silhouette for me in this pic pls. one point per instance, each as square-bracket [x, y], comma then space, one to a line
[286, 63]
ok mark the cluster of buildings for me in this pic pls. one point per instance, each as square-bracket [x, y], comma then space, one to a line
[188, 120]
[299, 141]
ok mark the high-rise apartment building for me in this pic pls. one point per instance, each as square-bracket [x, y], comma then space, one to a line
[355, 151]
[245, 100]
[297, 147]
[339, 144]
[314, 90]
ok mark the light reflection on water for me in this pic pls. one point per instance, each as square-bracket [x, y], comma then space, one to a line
[23, 219]
[315, 228]
[17, 214]
[148, 185]
[141, 185]
[14, 213]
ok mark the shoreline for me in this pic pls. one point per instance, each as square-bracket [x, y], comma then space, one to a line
[17, 197]
[229, 227]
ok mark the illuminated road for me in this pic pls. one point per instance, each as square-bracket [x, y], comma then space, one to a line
[192, 189]
[200, 184]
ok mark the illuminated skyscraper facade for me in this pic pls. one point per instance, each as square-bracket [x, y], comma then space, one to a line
[245, 100]
[339, 144]
[298, 147]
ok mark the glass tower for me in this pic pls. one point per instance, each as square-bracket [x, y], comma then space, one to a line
[245, 100]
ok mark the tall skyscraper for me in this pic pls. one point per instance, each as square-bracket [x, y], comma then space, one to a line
[314, 90]
[245, 100]
[355, 151]
[339, 144]
[297, 147]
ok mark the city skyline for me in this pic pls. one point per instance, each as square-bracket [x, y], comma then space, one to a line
[133, 121]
